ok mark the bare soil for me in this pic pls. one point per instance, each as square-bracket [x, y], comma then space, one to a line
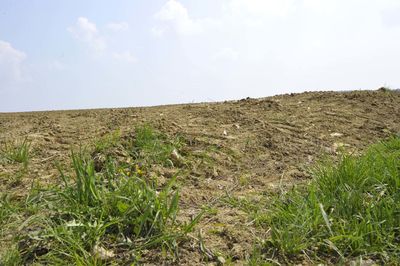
[241, 149]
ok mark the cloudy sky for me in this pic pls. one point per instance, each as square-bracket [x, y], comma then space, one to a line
[88, 54]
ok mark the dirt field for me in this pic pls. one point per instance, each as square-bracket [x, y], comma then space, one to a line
[237, 150]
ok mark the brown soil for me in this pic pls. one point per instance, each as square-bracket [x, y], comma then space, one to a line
[244, 148]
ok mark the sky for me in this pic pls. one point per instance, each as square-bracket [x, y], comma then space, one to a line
[96, 53]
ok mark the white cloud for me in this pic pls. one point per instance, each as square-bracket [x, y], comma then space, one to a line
[87, 32]
[125, 57]
[174, 13]
[118, 26]
[234, 12]
[10, 64]
[173, 10]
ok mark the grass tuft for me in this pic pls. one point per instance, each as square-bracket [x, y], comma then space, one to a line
[17, 152]
[352, 208]
[153, 147]
[107, 141]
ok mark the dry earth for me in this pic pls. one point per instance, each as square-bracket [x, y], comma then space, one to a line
[237, 150]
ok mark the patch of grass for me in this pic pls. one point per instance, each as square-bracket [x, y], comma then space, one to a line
[254, 208]
[244, 180]
[94, 216]
[8, 212]
[11, 217]
[352, 208]
[107, 141]
[241, 203]
[86, 189]
[6, 209]
[12, 257]
[258, 258]
[17, 152]
[151, 146]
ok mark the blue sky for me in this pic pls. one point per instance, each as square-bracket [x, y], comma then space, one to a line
[92, 54]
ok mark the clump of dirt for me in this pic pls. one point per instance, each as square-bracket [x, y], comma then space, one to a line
[242, 149]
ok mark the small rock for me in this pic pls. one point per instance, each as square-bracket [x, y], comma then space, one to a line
[176, 158]
[225, 133]
[102, 253]
[336, 134]
[221, 260]
[175, 155]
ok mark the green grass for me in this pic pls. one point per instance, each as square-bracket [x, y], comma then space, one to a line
[12, 257]
[107, 141]
[114, 210]
[11, 218]
[17, 152]
[350, 209]
[7, 208]
[151, 146]
[254, 208]
[94, 217]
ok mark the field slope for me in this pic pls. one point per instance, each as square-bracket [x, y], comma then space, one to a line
[217, 167]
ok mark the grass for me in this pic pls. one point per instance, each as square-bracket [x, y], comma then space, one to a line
[350, 209]
[107, 141]
[94, 217]
[150, 146]
[254, 208]
[17, 152]
[12, 258]
[7, 210]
